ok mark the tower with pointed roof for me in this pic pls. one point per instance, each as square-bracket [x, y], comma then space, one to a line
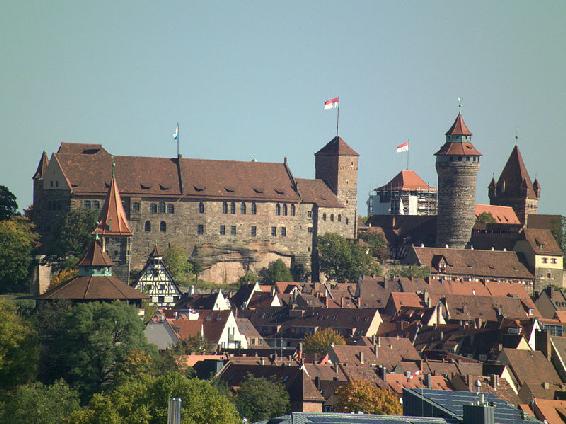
[457, 165]
[514, 188]
[114, 231]
[337, 165]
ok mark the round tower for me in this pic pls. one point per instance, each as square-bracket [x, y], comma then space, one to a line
[457, 165]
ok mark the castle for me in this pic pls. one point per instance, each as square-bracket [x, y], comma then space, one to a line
[231, 216]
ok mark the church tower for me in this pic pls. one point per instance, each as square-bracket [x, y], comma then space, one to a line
[457, 165]
[115, 232]
[337, 165]
[514, 188]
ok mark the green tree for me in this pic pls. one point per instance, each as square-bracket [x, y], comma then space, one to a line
[144, 401]
[248, 277]
[485, 218]
[196, 267]
[261, 399]
[276, 271]
[177, 261]
[195, 344]
[18, 347]
[379, 248]
[17, 241]
[90, 344]
[364, 396]
[73, 234]
[342, 260]
[39, 404]
[409, 271]
[8, 205]
[321, 341]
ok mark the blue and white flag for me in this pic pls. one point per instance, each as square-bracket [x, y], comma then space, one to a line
[176, 134]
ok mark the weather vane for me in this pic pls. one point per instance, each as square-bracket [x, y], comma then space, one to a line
[459, 104]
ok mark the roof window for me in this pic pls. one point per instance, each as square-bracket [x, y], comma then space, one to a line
[258, 189]
[230, 189]
[145, 186]
[279, 190]
[199, 187]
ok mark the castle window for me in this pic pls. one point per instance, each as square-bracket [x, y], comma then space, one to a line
[309, 214]
[225, 207]
[56, 183]
[200, 229]
[160, 299]
[253, 231]
[332, 217]
[285, 209]
[147, 226]
[243, 208]
[553, 260]
[51, 183]
[339, 217]
[324, 217]
[273, 231]
[459, 158]
[201, 207]
[283, 231]
[233, 230]
[223, 230]
[136, 206]
[544, 260]
[163, 226]
[254, 208]
[293, 210]
[347, 221]
[87, 204]
[277, 209]
[467, 158]
[170, 208]
[162, 207]
[153, 208]
[310, 230]
[232, 208]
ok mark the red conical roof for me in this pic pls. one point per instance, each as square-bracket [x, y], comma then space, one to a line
[459, 127]
[406, 180]
[515, 178]
[113, 220]
[95, 256]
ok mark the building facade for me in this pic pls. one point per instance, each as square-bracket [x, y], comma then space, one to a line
[405, 194]
[231, 216]
[457, 165]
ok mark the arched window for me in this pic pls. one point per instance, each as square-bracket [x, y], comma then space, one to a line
[171, 208]
[147, 226]
[225, 207]
[153, 208]
[163, 226]
[162, 207]
[277, 209]
[324, 217]
[285, 209]
[293, 210]
[201, 207]
[232, 208]
[254, 208]
[339, 217]
[243, 208]
[332, 217]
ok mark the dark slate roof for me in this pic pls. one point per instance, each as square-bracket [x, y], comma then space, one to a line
[41, 166]
[542, 241]
[93, 288]
[514, 178]
[317, 192]
[337, 146]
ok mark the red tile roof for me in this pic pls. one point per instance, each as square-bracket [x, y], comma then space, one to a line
[501, 214]
[459, 127]
[542, 241]
[458, 149]
[93, 288]
[337, 146]
[113, 221]
[407, 180]
[317, 192]
[514, 178]
[95, 256]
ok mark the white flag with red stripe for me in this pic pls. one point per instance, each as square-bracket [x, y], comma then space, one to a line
[403, 147]
[332, 103]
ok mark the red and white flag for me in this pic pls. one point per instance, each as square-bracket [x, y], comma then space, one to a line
[332, 103]
[403, 147]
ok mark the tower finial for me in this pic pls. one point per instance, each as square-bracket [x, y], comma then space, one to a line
[113, 168]
[516, 136]
[460, 104]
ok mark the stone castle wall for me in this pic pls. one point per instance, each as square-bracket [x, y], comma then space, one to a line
[456, 200]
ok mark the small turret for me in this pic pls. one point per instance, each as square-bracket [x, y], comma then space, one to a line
[492, 189]
[536, 187]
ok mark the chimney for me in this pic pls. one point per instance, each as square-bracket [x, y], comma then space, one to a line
[546, 385]
[262, 361]
[427, 381]
[362, 358]
[494, 381]
[317, 382]
[479, 413]
[341, 301]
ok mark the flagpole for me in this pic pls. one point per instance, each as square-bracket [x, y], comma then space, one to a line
[337, 119]
[408, 150]
[178, 136]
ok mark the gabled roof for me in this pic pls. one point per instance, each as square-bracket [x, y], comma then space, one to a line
[41, 166]
[95, 256]
[407, 180]
[514, 178]
[113, 219]
[317, 192]
[542, 241]
[93, 288]
[337, 146]
[459, 127]
[501, 214]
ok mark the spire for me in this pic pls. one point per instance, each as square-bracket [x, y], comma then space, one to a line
[459, 127]
[514, 179]
[95, 257]
[41, 166]
[113, 220]
[337, 146]
[155, 253]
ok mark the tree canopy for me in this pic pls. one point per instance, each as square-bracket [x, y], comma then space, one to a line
[342, 260]
[17, 241]
[485, 218]
[321, 341]
[276, 271]
[144, 401]
[177, 261]
[40, 404]
[409, 271]
[364, 396]
[73, 234]
[379, 248]
[8, 204]
[90, 344]
[261, 399]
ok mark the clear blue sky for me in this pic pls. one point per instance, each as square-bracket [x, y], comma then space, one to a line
[247, 80]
